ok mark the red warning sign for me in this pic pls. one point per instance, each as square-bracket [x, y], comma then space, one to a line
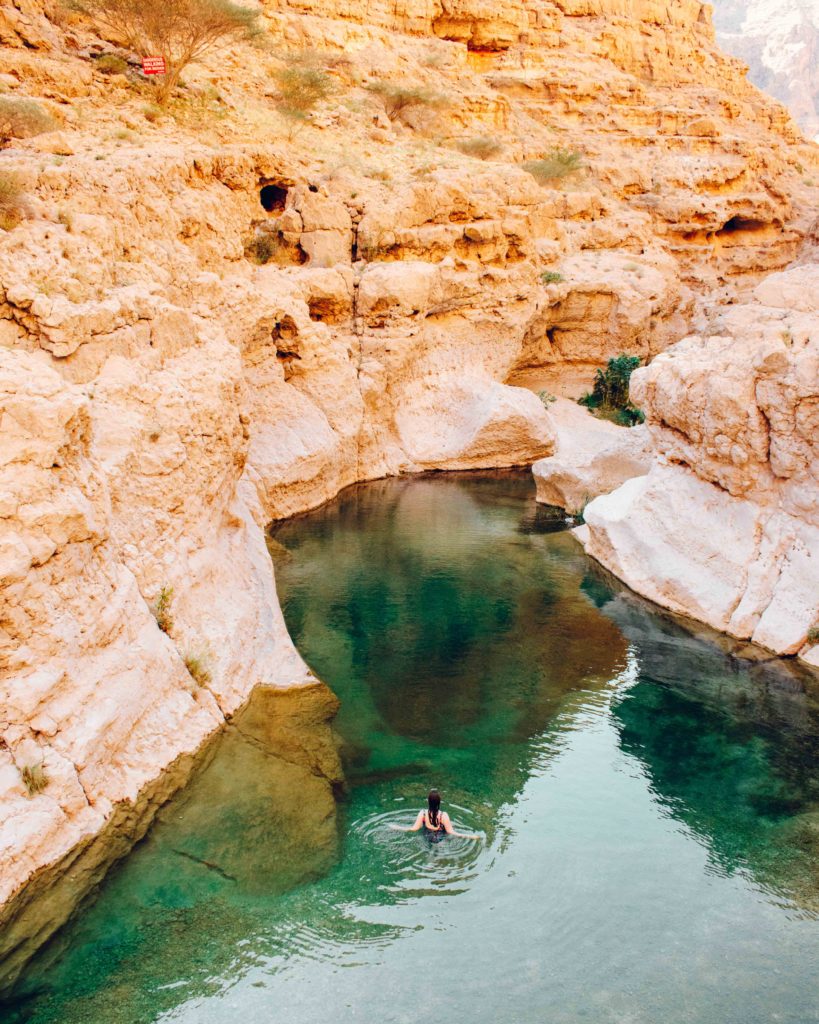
[153, 66]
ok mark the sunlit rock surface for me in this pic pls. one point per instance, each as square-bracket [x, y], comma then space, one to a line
[725, 526]
[164, 395]
[592, 457]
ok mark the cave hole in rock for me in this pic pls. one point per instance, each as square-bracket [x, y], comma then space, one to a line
[273, 197]
[736, 224]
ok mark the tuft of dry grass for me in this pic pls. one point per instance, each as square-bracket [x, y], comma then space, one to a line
[198, 666]
[481, 146]
[162, 609]
[34, 778]
[111, 64]
[399, 98]
[22, 118]
[261, 249]
[152, 112]
[555, 165]
[13, 201]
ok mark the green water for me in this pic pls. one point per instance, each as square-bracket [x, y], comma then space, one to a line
[646, 795]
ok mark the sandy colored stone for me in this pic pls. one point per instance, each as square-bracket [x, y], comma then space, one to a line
[163, 396]
[592, 457]
[725, 527]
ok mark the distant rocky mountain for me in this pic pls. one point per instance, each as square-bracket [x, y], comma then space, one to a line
[779, 40]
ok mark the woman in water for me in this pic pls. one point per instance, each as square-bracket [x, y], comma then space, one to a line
[434, 821]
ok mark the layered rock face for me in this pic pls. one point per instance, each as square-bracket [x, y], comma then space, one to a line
[163, 395]
[725, 525]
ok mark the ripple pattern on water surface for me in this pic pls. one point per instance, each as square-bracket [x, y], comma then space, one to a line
[418, 864]
[648, 804]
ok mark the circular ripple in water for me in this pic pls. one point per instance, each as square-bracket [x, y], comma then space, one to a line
[415, 863]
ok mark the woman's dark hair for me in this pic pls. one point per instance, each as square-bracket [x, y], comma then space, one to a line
[434, 801]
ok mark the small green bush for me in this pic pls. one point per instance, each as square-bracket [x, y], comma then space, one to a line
[162, 609]
[813, 635]
[34, 778]
[609, 396]
[551, 277]
[197, 665]
[546, 397]
[481, 146]
[555, 165]
[261, 249]
[21, 119]
[111, 64]
[399, 98]
[302, 84]
[13, 203]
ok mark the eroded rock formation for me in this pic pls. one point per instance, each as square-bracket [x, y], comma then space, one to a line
[163, 396]
[725, 525]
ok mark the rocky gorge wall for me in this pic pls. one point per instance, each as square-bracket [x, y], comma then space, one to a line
[724, 525]
[163, 395]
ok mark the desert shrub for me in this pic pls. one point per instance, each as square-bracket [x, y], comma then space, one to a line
[13, 203]
[162, 609]
[152, 112]
[34, 778]
[546, 397]
[813, 635]
[181, 31]
[21, 118]
[111, 64]
[551, 277]
[261, 248]
[197, 665]
[399, 98]
[302, 84]
[481, 146]
[609, 396]
[555, 165]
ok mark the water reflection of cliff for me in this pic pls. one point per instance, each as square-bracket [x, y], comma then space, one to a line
[257, 821]
[730, 740]
[440, 612]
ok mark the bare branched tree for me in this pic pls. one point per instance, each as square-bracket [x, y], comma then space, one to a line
[181, 31]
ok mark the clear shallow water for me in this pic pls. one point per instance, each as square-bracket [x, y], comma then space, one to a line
[648, 803]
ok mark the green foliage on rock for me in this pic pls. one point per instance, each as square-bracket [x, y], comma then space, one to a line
[181, 31]
[111, 64]
[162, 609]
[555, 165]
[302, 84]
[609, 397]
[399, 98]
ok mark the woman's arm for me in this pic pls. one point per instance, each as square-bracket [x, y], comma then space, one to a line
[451, 831]
[419, 821]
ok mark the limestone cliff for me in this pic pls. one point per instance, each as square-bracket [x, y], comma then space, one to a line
[209, 319]
[724, 527]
